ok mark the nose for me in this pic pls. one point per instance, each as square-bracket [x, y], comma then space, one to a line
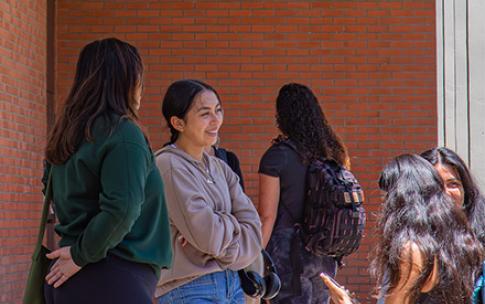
[454, 196]
[216, 118]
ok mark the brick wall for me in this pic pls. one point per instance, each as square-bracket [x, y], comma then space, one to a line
[22, 137]
[372, 64]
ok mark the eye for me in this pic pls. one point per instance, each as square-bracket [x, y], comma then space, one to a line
[205, 114]
[454, 185]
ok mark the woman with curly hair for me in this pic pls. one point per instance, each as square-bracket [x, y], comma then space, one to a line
[305, 136]
[427, 252]
[460, 186]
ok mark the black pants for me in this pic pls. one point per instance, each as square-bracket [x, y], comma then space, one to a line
[298, 269]
[112, 280]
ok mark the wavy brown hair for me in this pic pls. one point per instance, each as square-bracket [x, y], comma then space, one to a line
[301, 119]
[107, 73]
[416, 210]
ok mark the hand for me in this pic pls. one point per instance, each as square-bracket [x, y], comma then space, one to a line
[338, 294]
[63, 268]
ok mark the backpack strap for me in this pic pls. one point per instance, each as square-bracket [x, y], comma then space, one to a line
[289, 143]
[299, 225]
[221, 153]
[44, 216]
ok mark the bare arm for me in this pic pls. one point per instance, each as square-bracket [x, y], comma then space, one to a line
[269, 196]
[411, 267]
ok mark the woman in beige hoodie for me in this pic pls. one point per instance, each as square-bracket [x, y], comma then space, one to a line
[215, 227]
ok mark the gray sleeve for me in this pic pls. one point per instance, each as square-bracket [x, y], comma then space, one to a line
[249, 242]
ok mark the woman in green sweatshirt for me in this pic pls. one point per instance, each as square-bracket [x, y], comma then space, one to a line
[107, 192]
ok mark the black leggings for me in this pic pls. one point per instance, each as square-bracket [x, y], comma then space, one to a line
[112, 280]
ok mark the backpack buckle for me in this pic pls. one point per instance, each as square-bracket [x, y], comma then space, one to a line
[347, 198]
[356, 197]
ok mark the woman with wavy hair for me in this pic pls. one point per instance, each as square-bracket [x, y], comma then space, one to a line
[305, 136]
[108, 194]
[459, 184]
[427, 252]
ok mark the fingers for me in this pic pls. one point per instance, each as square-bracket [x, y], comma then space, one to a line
[338, 293]
[63, 268]
[55, 266]
[58, 276]
[53, 271]
[54, 254]
[53, 277]
[57, 272]
[59, 253]
[61, 281]
[327, 281]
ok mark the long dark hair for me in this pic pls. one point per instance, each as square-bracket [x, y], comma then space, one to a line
[107, 74]
[300, 119]
[179, 98]
[417, 211]
[389, 176]
[474, 202]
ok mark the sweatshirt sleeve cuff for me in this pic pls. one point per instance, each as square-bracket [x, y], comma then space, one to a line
[76, 257]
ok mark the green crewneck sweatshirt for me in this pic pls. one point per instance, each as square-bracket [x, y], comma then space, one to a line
[109, 198]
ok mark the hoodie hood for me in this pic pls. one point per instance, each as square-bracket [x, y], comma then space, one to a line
[205, 166]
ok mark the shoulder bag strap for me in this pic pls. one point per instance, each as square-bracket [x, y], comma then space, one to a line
[45, 212]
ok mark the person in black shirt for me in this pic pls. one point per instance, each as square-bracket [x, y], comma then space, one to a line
[305, 136]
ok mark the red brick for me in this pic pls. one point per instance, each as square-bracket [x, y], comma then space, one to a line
[22, 137]
[371, 64]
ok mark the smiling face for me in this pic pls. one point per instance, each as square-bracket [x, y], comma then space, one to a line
[452, 183]
[202, 122]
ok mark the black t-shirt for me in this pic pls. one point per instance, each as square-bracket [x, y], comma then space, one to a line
[282, 161]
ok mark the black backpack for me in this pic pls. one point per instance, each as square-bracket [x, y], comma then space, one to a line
[334, 218]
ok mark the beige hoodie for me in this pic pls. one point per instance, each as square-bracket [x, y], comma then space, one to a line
[208, 208]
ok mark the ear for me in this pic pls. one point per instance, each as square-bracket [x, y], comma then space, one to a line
[177, 123]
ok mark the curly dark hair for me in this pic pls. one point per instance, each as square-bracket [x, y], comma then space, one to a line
[474, 202]
[300, 119]
[417, 211]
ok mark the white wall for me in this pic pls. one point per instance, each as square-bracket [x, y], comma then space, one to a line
[460, 28]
